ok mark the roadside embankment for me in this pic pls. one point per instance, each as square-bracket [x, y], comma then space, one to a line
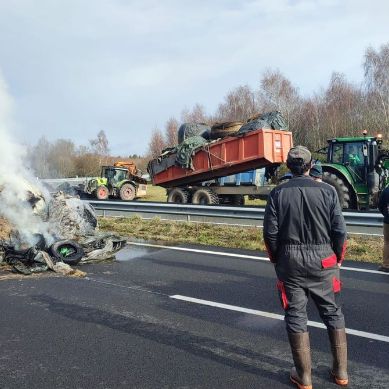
[360, 248]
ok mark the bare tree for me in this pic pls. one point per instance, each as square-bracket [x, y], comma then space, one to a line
[156, 144]
[61, 158]
[238, 105]
[196, 115]
[376, 68]
[38, 156]
[341, 107]
[100, 146]
[171, 132]
[277, 93]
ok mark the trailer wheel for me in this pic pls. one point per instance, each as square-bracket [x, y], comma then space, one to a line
[178, 196]
[340, 187]
[127, 192]
[102, 192]
[205, 196]
[238, 200]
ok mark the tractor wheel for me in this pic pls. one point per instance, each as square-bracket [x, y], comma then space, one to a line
[127, 192]
[340, 187]
[102, 192]
[178, 196]
[205, 196]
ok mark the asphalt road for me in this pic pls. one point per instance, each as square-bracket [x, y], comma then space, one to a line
[134, 324]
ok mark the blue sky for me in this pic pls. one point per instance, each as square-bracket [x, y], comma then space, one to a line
[75, 67]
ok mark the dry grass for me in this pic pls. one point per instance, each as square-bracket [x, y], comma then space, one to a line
[367, 249]
[155, 193]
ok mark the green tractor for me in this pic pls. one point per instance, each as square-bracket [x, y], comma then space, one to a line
[358, 168]
[116, 182]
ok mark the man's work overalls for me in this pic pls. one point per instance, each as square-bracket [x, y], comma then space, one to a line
[305, 235]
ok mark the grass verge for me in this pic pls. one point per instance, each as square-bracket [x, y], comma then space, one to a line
[366, 249]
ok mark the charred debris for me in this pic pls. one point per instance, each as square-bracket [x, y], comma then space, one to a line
[66, 235]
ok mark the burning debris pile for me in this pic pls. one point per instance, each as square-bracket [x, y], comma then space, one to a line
[39, 231]
[64, 235]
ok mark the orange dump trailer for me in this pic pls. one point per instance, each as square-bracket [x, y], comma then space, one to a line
[234, 154]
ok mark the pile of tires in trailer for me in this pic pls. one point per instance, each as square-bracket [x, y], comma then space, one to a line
[193, 136]
[270, 120]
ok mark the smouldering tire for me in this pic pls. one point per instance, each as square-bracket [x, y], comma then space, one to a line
[67, 251]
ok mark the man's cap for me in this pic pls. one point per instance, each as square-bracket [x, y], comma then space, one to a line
[316, 170]
[299, 153]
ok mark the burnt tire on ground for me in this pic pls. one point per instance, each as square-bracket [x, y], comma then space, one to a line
[127, 192]
[178, 196]
[102, 192]
[67, 251]
[341, 188]
[205, 196]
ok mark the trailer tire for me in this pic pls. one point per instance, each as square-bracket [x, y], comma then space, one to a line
[238, 200]
[127, 192]
[102, 192]
[178, 196]
[205, 196]
[341, 188]
[221, 130]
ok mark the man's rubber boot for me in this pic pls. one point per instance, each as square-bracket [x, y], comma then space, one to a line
[300, 374]
[339, 353]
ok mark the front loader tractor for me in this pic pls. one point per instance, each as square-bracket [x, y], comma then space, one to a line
[358, 168]
[116, 182]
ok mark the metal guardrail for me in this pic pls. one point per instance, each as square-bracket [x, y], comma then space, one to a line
[188, 211]
[55, 182]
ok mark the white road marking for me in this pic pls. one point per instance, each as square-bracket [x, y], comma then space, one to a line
[242, 256]
[275, 316]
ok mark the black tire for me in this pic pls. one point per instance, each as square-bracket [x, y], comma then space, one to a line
[238, 200]
[102, 192]
[127, 192]
[341, 189]
[178, 196]
[222, 130]
[205, 196]
[73, 255]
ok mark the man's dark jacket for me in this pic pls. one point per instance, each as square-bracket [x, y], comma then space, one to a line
[303, 212]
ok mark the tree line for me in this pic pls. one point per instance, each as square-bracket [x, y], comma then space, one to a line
[62, 158]
[341, 109]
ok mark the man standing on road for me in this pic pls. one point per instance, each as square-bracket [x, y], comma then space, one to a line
[383, 206]
[305, 235]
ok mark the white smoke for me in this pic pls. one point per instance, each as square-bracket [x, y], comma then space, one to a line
[16, 181]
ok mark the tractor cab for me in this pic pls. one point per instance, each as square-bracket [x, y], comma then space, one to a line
[350, 166]
[114, 175]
